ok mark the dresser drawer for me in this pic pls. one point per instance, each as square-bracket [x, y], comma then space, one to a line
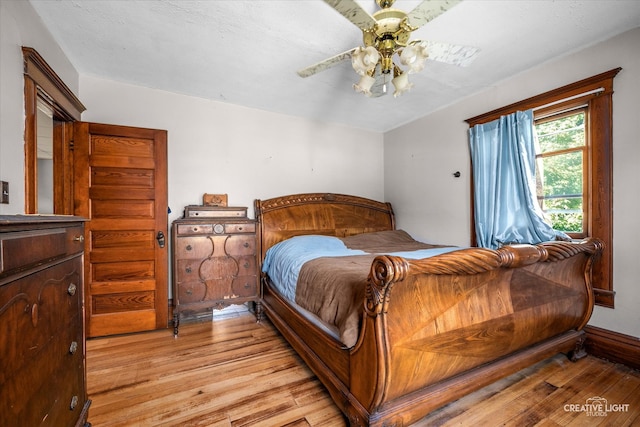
[233, 228]
[187, 229]
[193, 247]
[216, 228]
[55, 379]
[192, 291]
[37, 307]
[245, 286]
[23, 250]
[42, 366]
[239, 245]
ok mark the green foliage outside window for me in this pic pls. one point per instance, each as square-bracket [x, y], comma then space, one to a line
[561, 144]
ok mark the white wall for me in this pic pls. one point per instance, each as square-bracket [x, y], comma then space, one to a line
[421, 157]
[21, 26]
[247, 153]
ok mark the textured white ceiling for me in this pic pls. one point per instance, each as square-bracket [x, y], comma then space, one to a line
[247, 52]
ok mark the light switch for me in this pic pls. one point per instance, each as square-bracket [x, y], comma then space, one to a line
[4, 196]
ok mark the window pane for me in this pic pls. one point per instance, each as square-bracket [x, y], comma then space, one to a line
[560, 190]
[561, 134]
[561, 174]
[564, 214]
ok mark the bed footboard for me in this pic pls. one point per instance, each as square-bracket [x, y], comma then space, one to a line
[439, 328]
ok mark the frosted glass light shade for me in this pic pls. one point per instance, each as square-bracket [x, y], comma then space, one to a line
[364, 85]
[414, 57]
[402, 84]
[364, 60]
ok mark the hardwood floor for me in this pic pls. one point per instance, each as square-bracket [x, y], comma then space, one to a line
[235, 372]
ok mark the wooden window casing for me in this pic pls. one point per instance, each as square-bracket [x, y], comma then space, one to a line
[595, 95]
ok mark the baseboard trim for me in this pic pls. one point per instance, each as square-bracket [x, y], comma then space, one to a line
[613, 346]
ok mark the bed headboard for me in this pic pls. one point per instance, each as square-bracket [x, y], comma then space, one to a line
[319, 213]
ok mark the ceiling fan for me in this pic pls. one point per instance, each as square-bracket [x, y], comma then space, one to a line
[386, 36]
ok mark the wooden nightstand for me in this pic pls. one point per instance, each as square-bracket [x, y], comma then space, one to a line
[214, 263]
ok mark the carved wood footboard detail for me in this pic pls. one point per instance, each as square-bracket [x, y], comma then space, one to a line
[432, 319]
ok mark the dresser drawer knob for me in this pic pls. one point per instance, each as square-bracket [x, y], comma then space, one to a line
[188, 269]
[189, 291]
[74, 403]
[79, 239]
[71, 290]
[247, 285]
[247, 265]
[189, 247]
[73, 347]
[246, 244]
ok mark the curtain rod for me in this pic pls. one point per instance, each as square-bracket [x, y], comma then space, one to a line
[560, 101]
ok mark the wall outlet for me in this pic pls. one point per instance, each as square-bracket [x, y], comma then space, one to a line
[4, 192]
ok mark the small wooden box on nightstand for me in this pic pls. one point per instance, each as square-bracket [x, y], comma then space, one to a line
[214, 262]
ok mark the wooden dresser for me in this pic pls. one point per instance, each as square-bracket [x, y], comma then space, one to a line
[214, 262]
[42, 344]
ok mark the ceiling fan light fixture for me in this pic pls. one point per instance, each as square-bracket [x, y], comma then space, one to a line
[364, 59]
[365, 84]
[386, 36]
[402, 84]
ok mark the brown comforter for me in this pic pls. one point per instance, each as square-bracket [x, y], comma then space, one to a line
[333, 288]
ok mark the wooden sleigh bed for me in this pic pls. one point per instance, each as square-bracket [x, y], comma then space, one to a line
[430, 330]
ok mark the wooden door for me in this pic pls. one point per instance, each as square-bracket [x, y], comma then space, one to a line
[120, 185]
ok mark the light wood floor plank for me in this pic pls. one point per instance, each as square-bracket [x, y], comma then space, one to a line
[237, 373]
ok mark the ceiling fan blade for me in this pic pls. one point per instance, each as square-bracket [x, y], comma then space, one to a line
[353, 12]
[326, 64]
[461, 56]
[428, 10]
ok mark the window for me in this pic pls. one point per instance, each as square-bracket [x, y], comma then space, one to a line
[561, 176]
[574, 164]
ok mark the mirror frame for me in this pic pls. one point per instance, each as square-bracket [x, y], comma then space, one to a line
[41, 82]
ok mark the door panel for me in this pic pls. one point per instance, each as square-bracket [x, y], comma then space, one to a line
[121, 186]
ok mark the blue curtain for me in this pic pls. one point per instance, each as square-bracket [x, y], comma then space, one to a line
[503, 160]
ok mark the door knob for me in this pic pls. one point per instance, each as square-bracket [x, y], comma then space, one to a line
[160, 238]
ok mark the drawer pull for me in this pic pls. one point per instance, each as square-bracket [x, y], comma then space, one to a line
[78, 239]
[188, 269]
[74, 403]
[247, 285]
[71, 290]
[246, 244]
[188, 291]
[189, 247]
[246, 265]
[73, 347]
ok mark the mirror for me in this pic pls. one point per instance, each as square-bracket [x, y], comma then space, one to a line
[44, 154]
